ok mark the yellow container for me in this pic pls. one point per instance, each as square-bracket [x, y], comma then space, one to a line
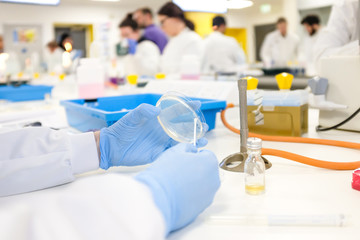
[252, 83]
[20, 74]
[132, 79]
[36, 75]
[62, 76]
[280, 121]
[160, 76]
[284, 80]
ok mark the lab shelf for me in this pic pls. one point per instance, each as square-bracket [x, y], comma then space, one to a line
[94, 114]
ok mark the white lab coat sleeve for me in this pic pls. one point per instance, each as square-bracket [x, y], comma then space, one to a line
[147, 58]
[303, 50]
[205, 67]
[265, 50]
[297, 48]
[37, 158]
[239, 54]
[336, 38]
[108, 206]
[195, 47]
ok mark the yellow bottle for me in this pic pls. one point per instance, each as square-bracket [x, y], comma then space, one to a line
[254, 168]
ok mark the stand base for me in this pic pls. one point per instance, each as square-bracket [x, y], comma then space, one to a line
[236, 162]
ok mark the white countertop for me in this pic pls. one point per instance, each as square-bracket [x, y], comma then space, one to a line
[291, 189]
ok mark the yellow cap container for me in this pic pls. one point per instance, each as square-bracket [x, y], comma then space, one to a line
[132, 79]
[160, 76]
[284, 80]
[62, 76]
[252, 82]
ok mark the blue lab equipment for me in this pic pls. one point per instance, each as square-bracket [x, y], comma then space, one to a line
[94, 114]
[24, 92]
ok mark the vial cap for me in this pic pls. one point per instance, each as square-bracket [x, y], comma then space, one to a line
[254, 143]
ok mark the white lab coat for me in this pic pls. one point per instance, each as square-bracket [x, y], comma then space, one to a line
[145, 61]
[277, 51]
[108, 206]
[222, 53]
[54, 60]
[341, 35]
[179, 48]
[307, 52]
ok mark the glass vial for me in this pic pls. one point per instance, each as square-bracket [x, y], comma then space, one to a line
[254, 168]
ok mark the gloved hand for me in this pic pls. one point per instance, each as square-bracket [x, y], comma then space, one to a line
[136, 139]
[183, 183]
[132, 46]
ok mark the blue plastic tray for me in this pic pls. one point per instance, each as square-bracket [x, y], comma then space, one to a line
[90, 115]
[24, 92]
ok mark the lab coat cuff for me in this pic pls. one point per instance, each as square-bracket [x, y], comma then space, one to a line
[84, 156]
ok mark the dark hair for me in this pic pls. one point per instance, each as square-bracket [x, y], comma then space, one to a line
[281, 20]
[172, 10]
[311, 20]
[62, 39]
[218, 21]
[146, 10]
[128, 21]
[189, 24]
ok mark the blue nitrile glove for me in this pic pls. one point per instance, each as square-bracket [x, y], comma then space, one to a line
[136, 139]
[132, 46]
[183, 183]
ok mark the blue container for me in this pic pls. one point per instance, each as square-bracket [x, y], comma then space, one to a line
[24, 92]
[90, 115]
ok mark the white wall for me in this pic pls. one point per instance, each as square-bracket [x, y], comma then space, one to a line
[95, 14]
[64, 13]
[291, 13]
[309, 4]
[249, 18]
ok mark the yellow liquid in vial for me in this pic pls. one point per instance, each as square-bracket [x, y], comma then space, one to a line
[254, 189]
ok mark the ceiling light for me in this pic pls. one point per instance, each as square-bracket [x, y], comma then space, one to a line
[41, 2]
[238, 4]
[265, 8]
[212, 6]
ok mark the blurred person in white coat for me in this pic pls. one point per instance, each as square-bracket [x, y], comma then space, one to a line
[180, 183]
[144, 59]
[280, 46]
[222, 53]
[53, 56]
[341, 35]
[183, 43]
[313, 28]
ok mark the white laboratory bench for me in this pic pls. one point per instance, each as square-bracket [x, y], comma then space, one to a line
[291, 188]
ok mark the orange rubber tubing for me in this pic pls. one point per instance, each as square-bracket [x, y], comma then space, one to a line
[296, 157]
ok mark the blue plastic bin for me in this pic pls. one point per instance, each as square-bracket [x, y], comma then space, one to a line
[24, 92]
[90, 115]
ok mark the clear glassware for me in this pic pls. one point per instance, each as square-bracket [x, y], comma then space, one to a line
[254, 168]
[181, 118]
